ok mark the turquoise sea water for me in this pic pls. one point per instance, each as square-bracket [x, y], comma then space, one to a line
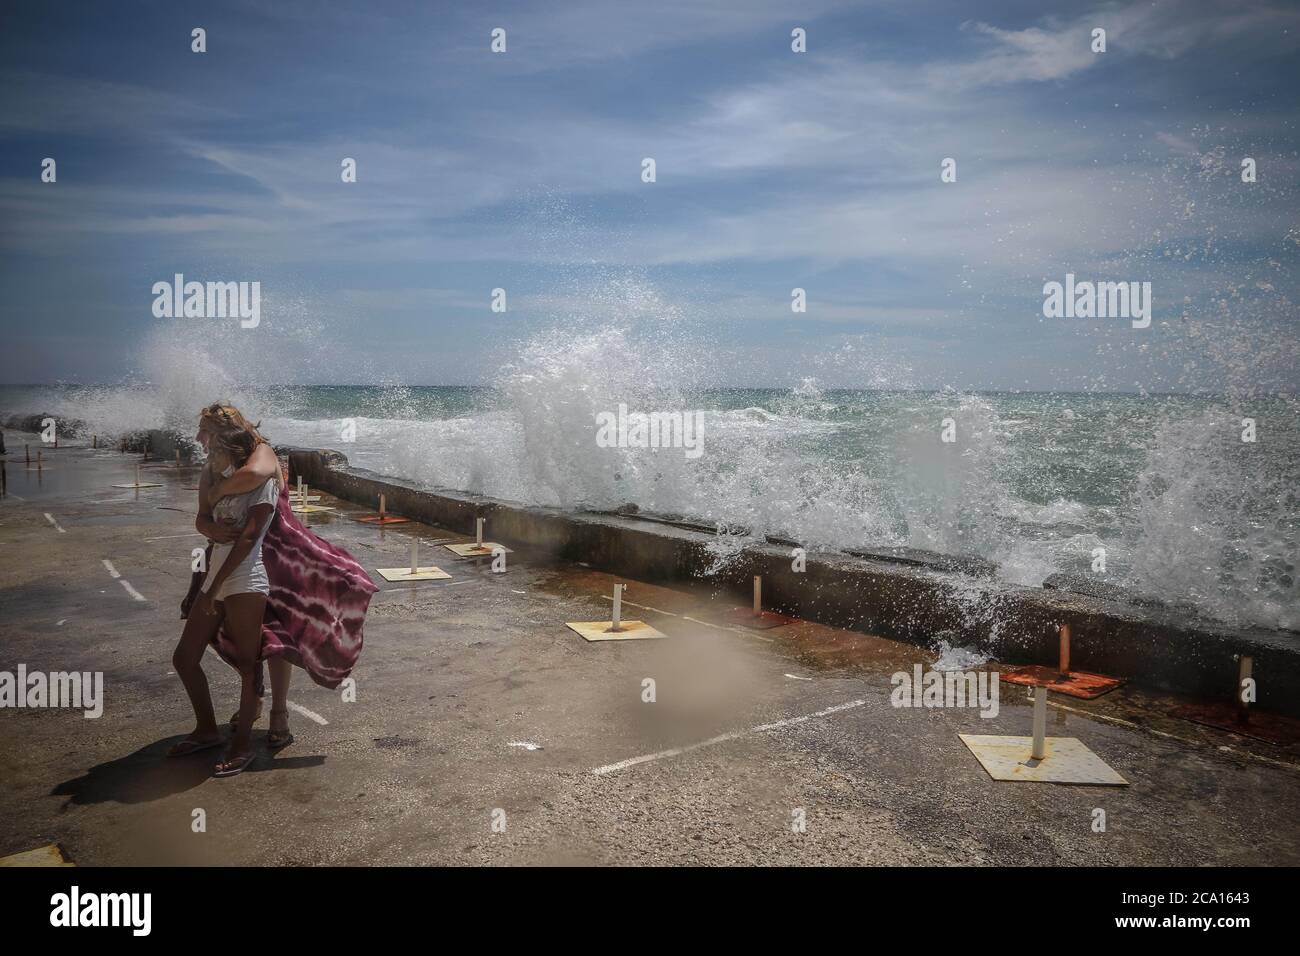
[1162, 487]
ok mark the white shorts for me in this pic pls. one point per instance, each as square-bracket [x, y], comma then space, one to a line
[248, 578]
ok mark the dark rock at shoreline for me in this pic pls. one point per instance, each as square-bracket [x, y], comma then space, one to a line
[66, 427]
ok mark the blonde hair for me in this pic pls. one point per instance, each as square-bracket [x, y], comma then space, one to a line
[233, 433]
[219, 418]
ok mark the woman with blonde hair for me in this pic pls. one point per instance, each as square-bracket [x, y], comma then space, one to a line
[313, 595]
[234, 591]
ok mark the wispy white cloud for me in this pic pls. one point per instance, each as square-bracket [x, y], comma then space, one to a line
[825, 164]
[1162, 28]
[40, 102]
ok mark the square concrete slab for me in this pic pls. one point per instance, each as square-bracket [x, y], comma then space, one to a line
[471, 550]
[1067, 760]
[429, 573]
[385, 519]
[630, 631]
[42, 856]
[309, 509]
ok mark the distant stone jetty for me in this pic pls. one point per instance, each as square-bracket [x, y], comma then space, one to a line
[158, 442]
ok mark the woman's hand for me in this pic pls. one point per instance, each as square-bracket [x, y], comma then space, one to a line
[216, 531]
[224, 533]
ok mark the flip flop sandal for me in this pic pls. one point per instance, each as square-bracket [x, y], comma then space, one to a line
[187, 747]
[234, 767]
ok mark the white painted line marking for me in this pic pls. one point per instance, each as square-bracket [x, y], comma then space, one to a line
[310, 714]
[50, 518]
[797, 677]
[524, 744]
[643, 607]
[1121, 722]
[733, 630]
[687, 617]
[60, 623]
[423, 587]
[723, 738]
[1182, 740]
[122, 581]
[163, 537]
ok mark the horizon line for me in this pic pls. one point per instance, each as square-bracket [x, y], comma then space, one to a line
[1275, 393]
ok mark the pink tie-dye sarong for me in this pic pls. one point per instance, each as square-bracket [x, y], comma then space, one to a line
[317, 605]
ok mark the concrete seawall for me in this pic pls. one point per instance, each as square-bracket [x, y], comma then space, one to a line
[908, 596]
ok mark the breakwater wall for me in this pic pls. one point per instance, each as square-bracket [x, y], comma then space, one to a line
[908, 595]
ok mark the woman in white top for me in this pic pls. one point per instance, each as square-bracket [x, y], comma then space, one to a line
[233, 594]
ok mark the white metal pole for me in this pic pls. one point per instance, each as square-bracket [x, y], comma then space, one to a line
[618, 608]
[1039, 750]
[415, 555]
[758, 595]
[478, 532]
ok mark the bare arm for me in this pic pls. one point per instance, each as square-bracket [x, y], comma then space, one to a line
[203, 523]
[203, 518]
[261, 465]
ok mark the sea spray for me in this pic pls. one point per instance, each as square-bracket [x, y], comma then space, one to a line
[1218, 529]
[1184, 509]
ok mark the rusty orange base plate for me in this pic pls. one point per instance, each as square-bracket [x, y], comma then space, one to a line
[1073, 684]
[745, 617]
[1262, 725]
[386, 519]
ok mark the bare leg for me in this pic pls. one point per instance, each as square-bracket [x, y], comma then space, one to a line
[244, 625]
[257, 714]
[187, 660]
[281, 671]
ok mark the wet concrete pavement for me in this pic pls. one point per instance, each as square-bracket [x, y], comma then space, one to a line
[457, 675]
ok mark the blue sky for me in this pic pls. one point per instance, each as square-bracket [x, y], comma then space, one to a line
[775, 170]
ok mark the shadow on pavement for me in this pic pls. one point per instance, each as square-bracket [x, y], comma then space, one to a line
[148, 774]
